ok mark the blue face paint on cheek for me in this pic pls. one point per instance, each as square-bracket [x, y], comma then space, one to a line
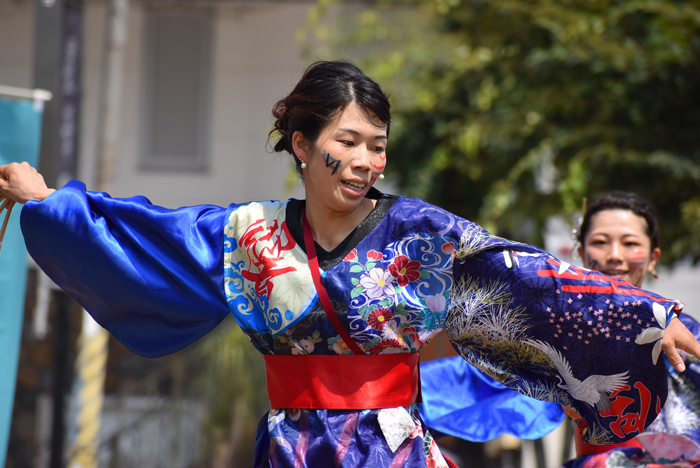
[331, 162]
[592, 264]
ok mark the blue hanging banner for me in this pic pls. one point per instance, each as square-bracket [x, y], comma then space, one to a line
[20, 132]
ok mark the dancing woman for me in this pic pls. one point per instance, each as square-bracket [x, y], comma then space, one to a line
[341, 290]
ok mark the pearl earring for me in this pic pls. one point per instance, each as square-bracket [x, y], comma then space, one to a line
[303, 165]
[381, 176]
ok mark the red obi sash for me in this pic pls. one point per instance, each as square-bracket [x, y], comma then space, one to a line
[343, 382]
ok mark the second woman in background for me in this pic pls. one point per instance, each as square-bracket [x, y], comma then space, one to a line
[619, 237]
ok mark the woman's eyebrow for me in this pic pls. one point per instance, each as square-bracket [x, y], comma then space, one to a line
[355, 132]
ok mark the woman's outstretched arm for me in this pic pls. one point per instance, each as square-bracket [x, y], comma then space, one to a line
[151, 276]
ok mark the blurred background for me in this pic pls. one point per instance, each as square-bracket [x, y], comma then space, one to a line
[506, 112]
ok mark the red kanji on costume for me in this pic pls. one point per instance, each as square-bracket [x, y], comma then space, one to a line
[629, 422]
[264, 246]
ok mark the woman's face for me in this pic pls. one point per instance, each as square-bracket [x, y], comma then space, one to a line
[617, 244]
[347, 158]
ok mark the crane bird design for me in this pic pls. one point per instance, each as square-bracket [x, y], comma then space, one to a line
[594, 391]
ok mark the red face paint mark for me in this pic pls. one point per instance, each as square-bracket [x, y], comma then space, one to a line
[637, 256]
[638, 262]
[636, 275]
[379, 168]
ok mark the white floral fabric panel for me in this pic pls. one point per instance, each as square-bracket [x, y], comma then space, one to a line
[266, 274]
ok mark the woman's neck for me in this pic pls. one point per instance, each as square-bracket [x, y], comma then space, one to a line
[330, 227]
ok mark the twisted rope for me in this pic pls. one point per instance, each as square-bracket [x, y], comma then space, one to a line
[5, 205]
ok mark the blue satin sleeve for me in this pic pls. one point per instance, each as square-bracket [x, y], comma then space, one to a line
[153, 277]
[461, 401]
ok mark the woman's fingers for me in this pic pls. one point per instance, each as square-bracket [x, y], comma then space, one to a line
[5, 175]
[673, 357]
[3, 180]
[20, 182]
[677, 336]
[690, 345]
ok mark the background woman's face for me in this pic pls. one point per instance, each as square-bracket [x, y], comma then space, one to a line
[617, 244]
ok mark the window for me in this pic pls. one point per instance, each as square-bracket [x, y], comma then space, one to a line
[177, 75]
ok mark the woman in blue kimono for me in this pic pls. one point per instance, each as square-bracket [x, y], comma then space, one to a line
[341, 290]
[619, 236]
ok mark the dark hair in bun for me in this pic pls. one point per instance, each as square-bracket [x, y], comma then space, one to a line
[622, 201]
[324, 91]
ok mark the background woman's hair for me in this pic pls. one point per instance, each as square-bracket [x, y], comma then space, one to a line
[324, 91]
[617, 200]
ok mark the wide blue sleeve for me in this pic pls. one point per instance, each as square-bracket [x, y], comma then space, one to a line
[151, 276]
[556, 332]
[461, 401]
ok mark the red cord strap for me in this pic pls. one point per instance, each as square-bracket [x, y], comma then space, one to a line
[321, 290]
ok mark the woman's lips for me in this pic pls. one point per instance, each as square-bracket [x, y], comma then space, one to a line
[615, 273]
[354, 186]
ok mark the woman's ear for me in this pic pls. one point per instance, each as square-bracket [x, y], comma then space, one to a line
[580, 255]
[653, 258]
[300, 146]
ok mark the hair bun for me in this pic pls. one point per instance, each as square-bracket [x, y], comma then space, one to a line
[281, 127]
[279, 109]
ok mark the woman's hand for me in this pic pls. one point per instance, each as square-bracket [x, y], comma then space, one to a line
[678, 336]
[20, 182]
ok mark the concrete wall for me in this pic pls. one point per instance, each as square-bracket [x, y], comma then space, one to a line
[255, 61]
[16, 43]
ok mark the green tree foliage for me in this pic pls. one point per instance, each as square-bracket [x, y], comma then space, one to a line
[509, 111]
